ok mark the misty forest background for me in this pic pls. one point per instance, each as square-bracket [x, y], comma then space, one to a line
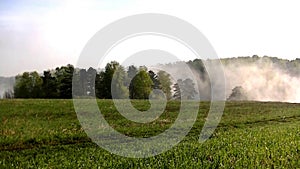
[248, 78]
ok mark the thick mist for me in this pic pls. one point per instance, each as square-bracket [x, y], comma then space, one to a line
[261, 78]
[6, 84]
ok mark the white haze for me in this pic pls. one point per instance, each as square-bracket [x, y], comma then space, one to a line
[262, 80]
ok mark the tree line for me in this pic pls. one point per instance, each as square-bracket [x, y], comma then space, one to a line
[57, 83]
[114, 81]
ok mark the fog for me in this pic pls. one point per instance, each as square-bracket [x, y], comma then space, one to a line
[6, 84]
[262, 79]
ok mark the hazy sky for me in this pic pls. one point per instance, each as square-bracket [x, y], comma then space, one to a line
[36, 35]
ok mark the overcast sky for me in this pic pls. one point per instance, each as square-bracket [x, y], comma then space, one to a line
[37, 35]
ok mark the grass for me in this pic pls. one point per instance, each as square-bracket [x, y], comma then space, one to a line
[47, 134]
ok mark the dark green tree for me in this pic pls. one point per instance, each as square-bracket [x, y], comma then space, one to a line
[199, 67]
[49, 86]
[106, 80]
[28, 85]
[64, 77]
[36, 85]
[154, 78]
[22, 86]
[99, 85]
[140, 86]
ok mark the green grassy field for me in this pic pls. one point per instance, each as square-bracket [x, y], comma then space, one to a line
[47, 134]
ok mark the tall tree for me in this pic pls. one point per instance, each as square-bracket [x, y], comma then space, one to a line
[165, 83]
[185, 89]
[177, 92]
[105, 89]
[141, 85]
[198, 65]
[49, 86]
[99, 85]
[132, 71]
[154, 78]
[35, 85]
[64, 77]
[28, 85]
[118, 85]
[22, 86]
[188, 91]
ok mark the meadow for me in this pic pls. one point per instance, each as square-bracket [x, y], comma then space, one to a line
[41, 133]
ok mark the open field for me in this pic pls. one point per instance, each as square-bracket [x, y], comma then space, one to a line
[47, 134]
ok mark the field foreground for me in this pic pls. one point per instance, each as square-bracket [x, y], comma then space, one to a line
[47, 134]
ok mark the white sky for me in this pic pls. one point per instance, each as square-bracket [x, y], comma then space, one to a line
[37, 35]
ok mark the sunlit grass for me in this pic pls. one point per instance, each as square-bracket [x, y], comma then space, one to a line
[47, 134]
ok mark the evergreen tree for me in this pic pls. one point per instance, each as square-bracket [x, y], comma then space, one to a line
[154, 78]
